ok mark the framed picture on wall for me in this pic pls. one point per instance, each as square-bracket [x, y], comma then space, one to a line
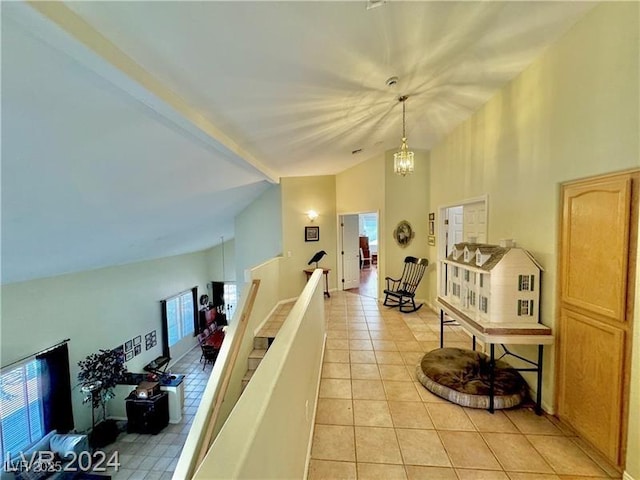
[311, 234]
[128, 345]
[128, 356]
[137, 349]
[137, 340]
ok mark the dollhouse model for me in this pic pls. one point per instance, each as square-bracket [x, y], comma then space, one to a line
[493, 284]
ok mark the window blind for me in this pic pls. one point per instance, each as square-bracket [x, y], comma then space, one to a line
[21, 412]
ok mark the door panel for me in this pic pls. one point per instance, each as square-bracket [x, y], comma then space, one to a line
[474, 222]
[597, 273]
[595, 243]
[592, 353]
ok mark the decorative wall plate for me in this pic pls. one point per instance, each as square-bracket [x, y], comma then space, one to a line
[403, 233]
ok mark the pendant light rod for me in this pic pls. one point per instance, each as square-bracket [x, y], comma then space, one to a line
[403, 99]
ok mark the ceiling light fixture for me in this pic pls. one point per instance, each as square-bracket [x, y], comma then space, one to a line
[403, 160]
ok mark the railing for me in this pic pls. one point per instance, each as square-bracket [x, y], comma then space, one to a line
[203, 429]
[268, 433]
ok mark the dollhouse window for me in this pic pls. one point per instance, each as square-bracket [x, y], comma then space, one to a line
[472, 298]
[526, 282]
[456, 290]
[466, 255]
[525, 308]
[466, 275]
[481, 280]
[484, 304]
[455, 272]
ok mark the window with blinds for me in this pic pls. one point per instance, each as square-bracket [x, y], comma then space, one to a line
[180, 314]
[21, 411]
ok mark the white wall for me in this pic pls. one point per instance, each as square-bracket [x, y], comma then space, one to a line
[572, 114]
[95, 309]
[214, 260]
[258, 232]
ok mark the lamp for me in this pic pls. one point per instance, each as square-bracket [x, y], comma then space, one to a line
[312, 214]
[403, 160]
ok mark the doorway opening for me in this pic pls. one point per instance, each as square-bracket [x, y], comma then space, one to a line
[464, 221]
[359, 252]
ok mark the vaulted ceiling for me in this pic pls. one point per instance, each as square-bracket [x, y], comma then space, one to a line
[138, 130]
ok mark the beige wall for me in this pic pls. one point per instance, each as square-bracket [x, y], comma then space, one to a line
[372, 186]
[362, 189]
[299, 195]
[572, 114]
[95, 309]
[407, 198]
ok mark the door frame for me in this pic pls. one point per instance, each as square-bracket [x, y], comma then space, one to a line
[441, 243]
[339, 245]
[633, 251]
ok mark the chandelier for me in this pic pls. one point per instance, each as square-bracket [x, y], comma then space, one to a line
[403, 160]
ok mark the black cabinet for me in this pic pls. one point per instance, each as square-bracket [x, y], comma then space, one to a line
[147, 415]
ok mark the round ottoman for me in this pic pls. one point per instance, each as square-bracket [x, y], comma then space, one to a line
[462, 376]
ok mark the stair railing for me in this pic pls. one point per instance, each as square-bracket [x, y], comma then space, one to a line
[201, 438]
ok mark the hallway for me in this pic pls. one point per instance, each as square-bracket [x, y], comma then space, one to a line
[374, 420]
[368, 282]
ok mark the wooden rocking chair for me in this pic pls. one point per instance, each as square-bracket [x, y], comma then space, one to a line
[401, 292]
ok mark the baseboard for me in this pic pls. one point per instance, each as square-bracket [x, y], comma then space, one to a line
[627, 476]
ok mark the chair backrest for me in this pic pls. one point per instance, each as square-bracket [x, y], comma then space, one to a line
[412, 274]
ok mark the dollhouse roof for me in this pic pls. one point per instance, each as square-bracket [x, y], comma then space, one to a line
[496, 253]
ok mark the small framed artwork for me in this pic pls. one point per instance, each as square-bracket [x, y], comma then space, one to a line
[129, 356]
[128, 345]
[137, 340]
[119, 351]
[150, 340]
[431, 239]
[432, 216]
[432, 224]
[311, 234]
[137, 349]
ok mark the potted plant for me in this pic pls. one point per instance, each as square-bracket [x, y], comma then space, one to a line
[99, 374]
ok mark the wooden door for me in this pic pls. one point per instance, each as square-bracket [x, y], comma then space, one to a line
[350, 252]
[597, 281]
[475, 222]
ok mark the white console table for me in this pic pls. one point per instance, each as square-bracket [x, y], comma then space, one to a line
[500, 333]
[175, 389]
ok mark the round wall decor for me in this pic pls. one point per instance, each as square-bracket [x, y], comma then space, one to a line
[403, 233]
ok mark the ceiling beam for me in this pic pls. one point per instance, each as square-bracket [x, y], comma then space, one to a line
[62, 28]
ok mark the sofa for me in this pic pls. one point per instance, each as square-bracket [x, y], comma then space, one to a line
[51, 454]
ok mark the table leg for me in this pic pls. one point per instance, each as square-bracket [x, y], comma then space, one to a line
[326, 285]
[441, 328]
[539, 392]
[492, 377]
[474, 343]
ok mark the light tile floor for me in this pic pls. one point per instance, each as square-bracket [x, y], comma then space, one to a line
[374, 420]
[153, 457]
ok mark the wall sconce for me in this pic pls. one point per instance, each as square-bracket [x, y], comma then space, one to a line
[312, 214]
